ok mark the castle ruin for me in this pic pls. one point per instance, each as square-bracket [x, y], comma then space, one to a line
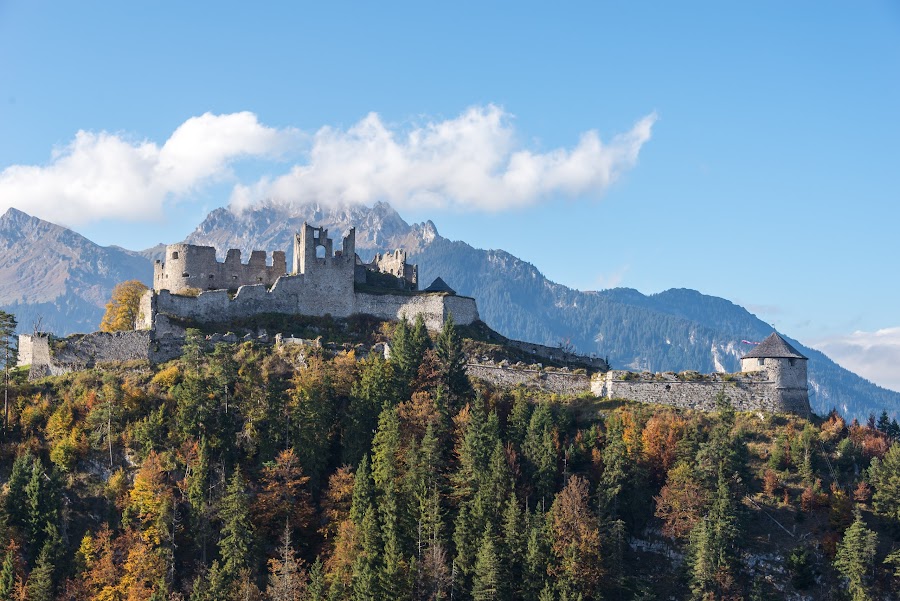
[192, 285]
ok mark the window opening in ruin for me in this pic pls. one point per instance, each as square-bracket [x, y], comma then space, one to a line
[320, 252]
[185, 275]
[211, 276]
[175, 254]
[791, 361]
[761, 361]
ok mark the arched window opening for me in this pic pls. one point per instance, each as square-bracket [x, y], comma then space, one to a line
[320, 252]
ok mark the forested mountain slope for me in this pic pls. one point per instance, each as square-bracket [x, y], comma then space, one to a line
[244, 471]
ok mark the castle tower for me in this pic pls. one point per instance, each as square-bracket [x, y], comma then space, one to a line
[309, 240]
[785, 368]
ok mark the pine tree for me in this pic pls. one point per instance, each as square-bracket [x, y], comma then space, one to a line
[855, 558]
[371, 393]
[884, 422]
[236, 542]
[40, 581]
[8, 574]
[449, 351]
[408, 346]
[197, 477]
[9, 357]
[316, 589]
[884, 475]
[513, 549]
[486, 581]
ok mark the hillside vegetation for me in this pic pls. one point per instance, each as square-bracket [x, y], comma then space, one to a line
[249, 472]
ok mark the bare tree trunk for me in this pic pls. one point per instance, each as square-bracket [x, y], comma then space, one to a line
[109, 430]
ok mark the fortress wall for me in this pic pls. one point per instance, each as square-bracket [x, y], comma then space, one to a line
[318, 293]
[434, 308]
[746, 393]
[81, 352]
[555, 382]
[558, 354]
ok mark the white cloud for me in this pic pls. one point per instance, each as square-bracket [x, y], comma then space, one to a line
[873, 355]
[104, 175]
[472, 162]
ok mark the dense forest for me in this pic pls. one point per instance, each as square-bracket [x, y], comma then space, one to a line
[247, 471]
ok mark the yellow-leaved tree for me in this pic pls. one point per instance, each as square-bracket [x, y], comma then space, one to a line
[123, 308]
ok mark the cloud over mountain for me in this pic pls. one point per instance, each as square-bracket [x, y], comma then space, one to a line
[873, 355]
[472, 162]
[109, 176]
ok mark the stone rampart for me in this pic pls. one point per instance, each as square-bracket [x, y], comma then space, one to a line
[508, 377]
[305, 295]
[558, 355]
[84, 351]
[746, 392]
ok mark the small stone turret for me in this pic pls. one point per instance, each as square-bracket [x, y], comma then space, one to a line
[786, 370]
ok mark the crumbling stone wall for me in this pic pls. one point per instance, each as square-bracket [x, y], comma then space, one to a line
[305, 295]
[556, 382]
[559, 355]
[84, 351]
[746, 392]
[188, 266]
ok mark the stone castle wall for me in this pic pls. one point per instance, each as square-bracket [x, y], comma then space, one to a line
[312, 293]
[558, 354]
[746, 392]
[187, 266]
[85, 351]
[555, 382]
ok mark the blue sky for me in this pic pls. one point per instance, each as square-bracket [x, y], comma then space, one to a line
[760, 160]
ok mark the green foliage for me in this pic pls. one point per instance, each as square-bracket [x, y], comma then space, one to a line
[885, 476]
[449, 350]
[856, 557]
[507, 495]
[236, 542]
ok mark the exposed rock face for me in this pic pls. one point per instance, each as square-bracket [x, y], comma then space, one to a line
[52, 273]
[272, 227]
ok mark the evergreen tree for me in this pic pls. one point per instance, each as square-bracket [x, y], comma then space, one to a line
[371, 393]
[884, 475]
[316, 588]
[449, 351]
[884, 422]
[197, 477]
[8, 574]
[14, 503]
[236, 542]
[365, 578]
[540, 453]
[9, 357]
[513, 550]
[519, 419]
[40, 581]
[42, 507]
[408, 346]
[855, 558]
[537, 556]
[487, 577]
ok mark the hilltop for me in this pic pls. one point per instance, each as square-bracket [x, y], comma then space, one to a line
[674, 330]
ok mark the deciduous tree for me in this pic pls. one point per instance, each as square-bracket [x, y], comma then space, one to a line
[123, 308]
